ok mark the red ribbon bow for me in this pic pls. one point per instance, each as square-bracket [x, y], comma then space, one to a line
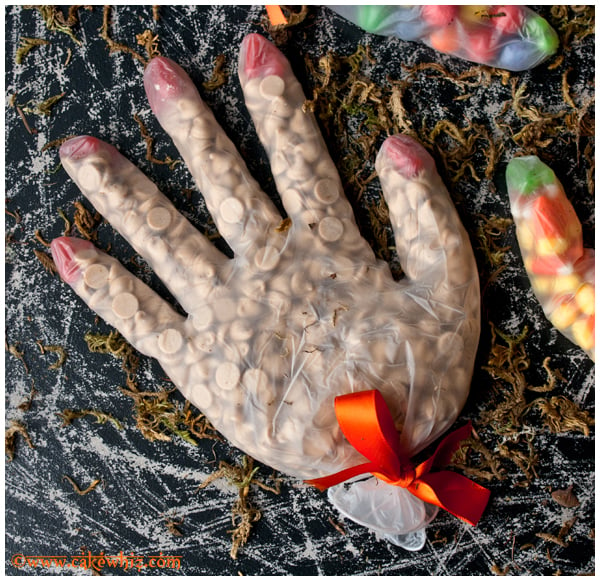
[367, 423]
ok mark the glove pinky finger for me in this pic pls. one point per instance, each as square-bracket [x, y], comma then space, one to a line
[146, 320]
[432, 244]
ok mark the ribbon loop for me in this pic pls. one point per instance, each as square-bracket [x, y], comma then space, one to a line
[367, 424]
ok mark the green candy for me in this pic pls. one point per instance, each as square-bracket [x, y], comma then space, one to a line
[370, 17]
[542, 34]
[528, 174]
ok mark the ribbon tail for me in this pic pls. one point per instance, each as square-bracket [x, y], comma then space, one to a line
[454, 493]
[324, 482]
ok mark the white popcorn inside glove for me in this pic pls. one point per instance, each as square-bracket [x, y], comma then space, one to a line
[304, 312]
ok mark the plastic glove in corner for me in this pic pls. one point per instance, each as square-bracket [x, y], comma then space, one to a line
[509, 37]
[561, 270]
[303, 312]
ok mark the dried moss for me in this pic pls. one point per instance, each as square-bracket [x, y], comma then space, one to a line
[86, 221]
[46, 260]
[113, 45]
[573, 24]
[43, 107]
[58, 349]
[78, 490]
[26, 45]
[116, 345]
[10, 438]
[172, 163]
[68, 416]
[243, 513]
[173, 526]
[561, 537]
[14, 350]
[157, 416]
[511, 420]
[491, 233]
[56, 21]
[219, 74]
[150, 43]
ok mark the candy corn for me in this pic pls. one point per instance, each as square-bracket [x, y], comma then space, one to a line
[550, 239]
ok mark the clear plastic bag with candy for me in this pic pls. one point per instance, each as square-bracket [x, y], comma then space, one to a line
[304, 318]
[511, 37]
[561, 270]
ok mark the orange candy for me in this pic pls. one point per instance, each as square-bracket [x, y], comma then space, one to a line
[446, 40]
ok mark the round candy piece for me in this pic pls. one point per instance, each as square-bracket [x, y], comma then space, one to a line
[440, 15]
[518, 55]
[96, 276]
[227, 375]
[231, 210]
[159, 218]
[331, 229]
[271, 87]
[266, 258]
[125, 305]
[170, 341]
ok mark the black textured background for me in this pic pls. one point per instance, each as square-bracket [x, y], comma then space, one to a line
[145, 483]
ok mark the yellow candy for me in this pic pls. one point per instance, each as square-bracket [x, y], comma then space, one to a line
[564, 315]
[585, 298]
[542, 285]
[526, 238]
[473, 13]
[567, 283]
[551, 246]
[583, 333]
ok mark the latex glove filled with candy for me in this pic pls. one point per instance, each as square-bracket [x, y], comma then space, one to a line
[508, 37]
[561, 270]
[303, 312]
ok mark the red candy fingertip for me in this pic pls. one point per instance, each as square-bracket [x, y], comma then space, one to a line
[409, 157]
[64, 250]
[163, 80]
[260, 58]
[79, 147]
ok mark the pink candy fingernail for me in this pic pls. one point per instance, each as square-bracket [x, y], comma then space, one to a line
[64, 250]
[409, 157]
[79, 147]
[164, 80]
[260, 58]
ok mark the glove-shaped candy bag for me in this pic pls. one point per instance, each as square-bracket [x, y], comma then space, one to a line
[509, 37]
[304, 312]
[561, 270]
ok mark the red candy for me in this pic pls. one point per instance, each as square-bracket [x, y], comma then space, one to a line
[507, 19]
[482, 44]
[557, 226]
[439, 15]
